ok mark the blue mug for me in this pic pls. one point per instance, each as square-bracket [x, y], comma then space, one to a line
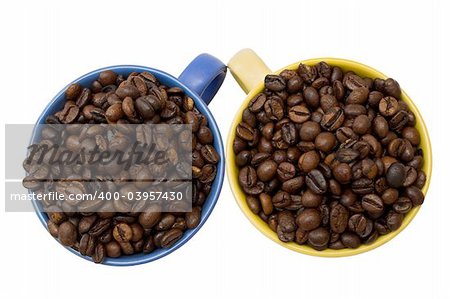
[200, 80]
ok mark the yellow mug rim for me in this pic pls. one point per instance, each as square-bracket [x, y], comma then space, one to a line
[362, 70]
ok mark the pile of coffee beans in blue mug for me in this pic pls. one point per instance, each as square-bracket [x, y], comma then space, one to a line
[138, 98]
[328, 158]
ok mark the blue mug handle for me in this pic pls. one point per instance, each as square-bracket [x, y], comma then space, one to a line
[204, 75]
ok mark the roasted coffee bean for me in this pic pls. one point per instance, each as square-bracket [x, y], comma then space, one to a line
[254, 204]
[403, 205]
[316, 182]
[309, 131]
[412, 135]
[307, 72]
[274, 83]
[265, 171]
[394, 220]
[342, 173]
[100, 227]
[372, 203]
[289, 133]
[308, 161]
[333, 119]
[350, 240]
[122, 232]
[67, 233]
[318, 238]
[87, 245]
[361, 124]
[389, 196]
[396, 175]
[328, 142]
[245, 131]
[299, 114]
[112, 249]
[399, 121]
[99, 253]
[357, 223]
[266, 203]
[274, 109]
[281, 199]
[388, 106]
[311, 199]
[286, 171]
[392, 88]
[325, 141]
[308, 219]
[248, 176]
[193, 218]
[210, 154]
[257, 103]
[363, 186]
[415, 195]
[171, 237]
[150, 217]
[338, 218]
[293, 185]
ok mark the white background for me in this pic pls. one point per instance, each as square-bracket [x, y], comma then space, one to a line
[47, 44]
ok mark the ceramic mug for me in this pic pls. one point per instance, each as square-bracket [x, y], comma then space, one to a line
[200, 80]
[249, 71]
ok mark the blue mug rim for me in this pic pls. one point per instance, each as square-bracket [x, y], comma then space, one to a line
[216, 188]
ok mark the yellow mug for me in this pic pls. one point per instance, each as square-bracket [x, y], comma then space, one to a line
[249, 71]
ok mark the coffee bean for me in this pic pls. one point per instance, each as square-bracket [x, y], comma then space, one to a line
[309, 131]
[358, 95]
[299, 114]
[325, 141]
[316, 182]
[210, 154]
[361, 124]
[342, 173]
[357, 223]
[415, 195]
[286, 171]
[107, 77]
[245, 131]
[171, 237]
[73, 91]
[67, 233]
[396, 175]
[308, 161]
[274, 83]
[372, 203]
[311, 199]
[99, 253]
[390, 196]
[333, 119]
[388, 106]
[308, 220]
[392, 88]
[363, 186]
[318, 238]
[350, 240]
[307, 72]
[328, 101]
[293, 185]
[394, 220]
[338, 218]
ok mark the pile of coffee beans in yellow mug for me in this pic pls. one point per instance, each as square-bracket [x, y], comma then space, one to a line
[328, 158]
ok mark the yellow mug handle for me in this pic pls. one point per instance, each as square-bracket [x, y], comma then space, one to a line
[248, 69]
